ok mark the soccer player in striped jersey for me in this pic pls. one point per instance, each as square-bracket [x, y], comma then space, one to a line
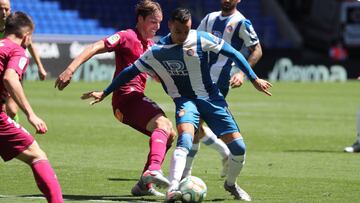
[11, 107]
[15, 141]
[230, 25]
[180, 61]
[130, 105]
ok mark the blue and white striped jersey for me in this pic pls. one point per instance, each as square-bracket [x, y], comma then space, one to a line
[235, 30]
[183, 69]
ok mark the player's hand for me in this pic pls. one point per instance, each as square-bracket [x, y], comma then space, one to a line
[237, 80]
[97, 96]
[42, 74]
[262, 85]
[38, 123]
[64, 79]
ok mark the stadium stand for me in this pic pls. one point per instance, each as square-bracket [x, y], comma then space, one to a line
[104, 17]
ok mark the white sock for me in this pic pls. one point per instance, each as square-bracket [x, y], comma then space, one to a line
[235, 165]
[211, 140]
[177, 165]
[358, 126]
[190, 159]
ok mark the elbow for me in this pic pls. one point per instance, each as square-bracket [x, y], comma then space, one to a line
[6, 80]
[259, 51]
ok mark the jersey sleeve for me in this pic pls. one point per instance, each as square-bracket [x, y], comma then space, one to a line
[116, 40]
[210, 42]
[239, 60]
[248, 34]
[143, 64]
[18, 61]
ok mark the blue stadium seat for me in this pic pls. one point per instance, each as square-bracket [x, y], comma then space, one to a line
[104, 17]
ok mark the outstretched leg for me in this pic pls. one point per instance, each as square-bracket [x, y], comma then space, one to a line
[159, 139]
[44, 175]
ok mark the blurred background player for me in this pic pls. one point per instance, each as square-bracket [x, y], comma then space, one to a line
[130, 105]
[180, 62]
[230, 25]
[356, 146]
[15, 141]
[11, 107]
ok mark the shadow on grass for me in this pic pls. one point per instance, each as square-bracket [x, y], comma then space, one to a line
[122, 179]
[104, 198]
[313, 151]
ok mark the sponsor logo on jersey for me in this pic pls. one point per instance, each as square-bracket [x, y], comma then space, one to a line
[113, 38]
[217, 33]
[175, 68]
[22, 63]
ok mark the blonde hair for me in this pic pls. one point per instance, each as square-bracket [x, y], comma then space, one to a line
[147, 7]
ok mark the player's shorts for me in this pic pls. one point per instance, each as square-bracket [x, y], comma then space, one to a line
[215, 113]
[136, 110]
[224, 91]
[14, 139]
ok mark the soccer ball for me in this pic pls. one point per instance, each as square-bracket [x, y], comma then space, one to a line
[193, 190]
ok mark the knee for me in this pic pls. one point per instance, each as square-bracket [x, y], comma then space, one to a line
[185, 141]
[32, 154]
[165, 124]
[237, 147]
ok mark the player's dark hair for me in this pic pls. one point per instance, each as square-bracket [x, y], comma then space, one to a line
[147, 7]
[18, 23]
[180, 14]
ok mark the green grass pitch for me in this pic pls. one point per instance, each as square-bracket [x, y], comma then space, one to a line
[294, 145]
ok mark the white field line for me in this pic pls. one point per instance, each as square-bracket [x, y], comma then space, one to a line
[90, 200]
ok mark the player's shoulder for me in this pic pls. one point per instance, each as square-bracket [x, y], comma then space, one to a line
[127, 33]
[239, 14]
[10, 47]
[201, 33]
[214, 14]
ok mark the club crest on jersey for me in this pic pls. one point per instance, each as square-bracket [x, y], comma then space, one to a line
[113, 38]
[229, 28]
[175, 68]
[190, 52]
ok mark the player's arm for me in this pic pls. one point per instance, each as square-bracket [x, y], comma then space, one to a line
[121, 79]
[251, 40]
[41, 70]
[241, 62]
[14, 87]
[256, 53]
[64, 78]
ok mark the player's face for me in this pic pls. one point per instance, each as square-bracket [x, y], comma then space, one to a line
[229, 5]
[179, 31]
[4, 10]
[150, 24]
